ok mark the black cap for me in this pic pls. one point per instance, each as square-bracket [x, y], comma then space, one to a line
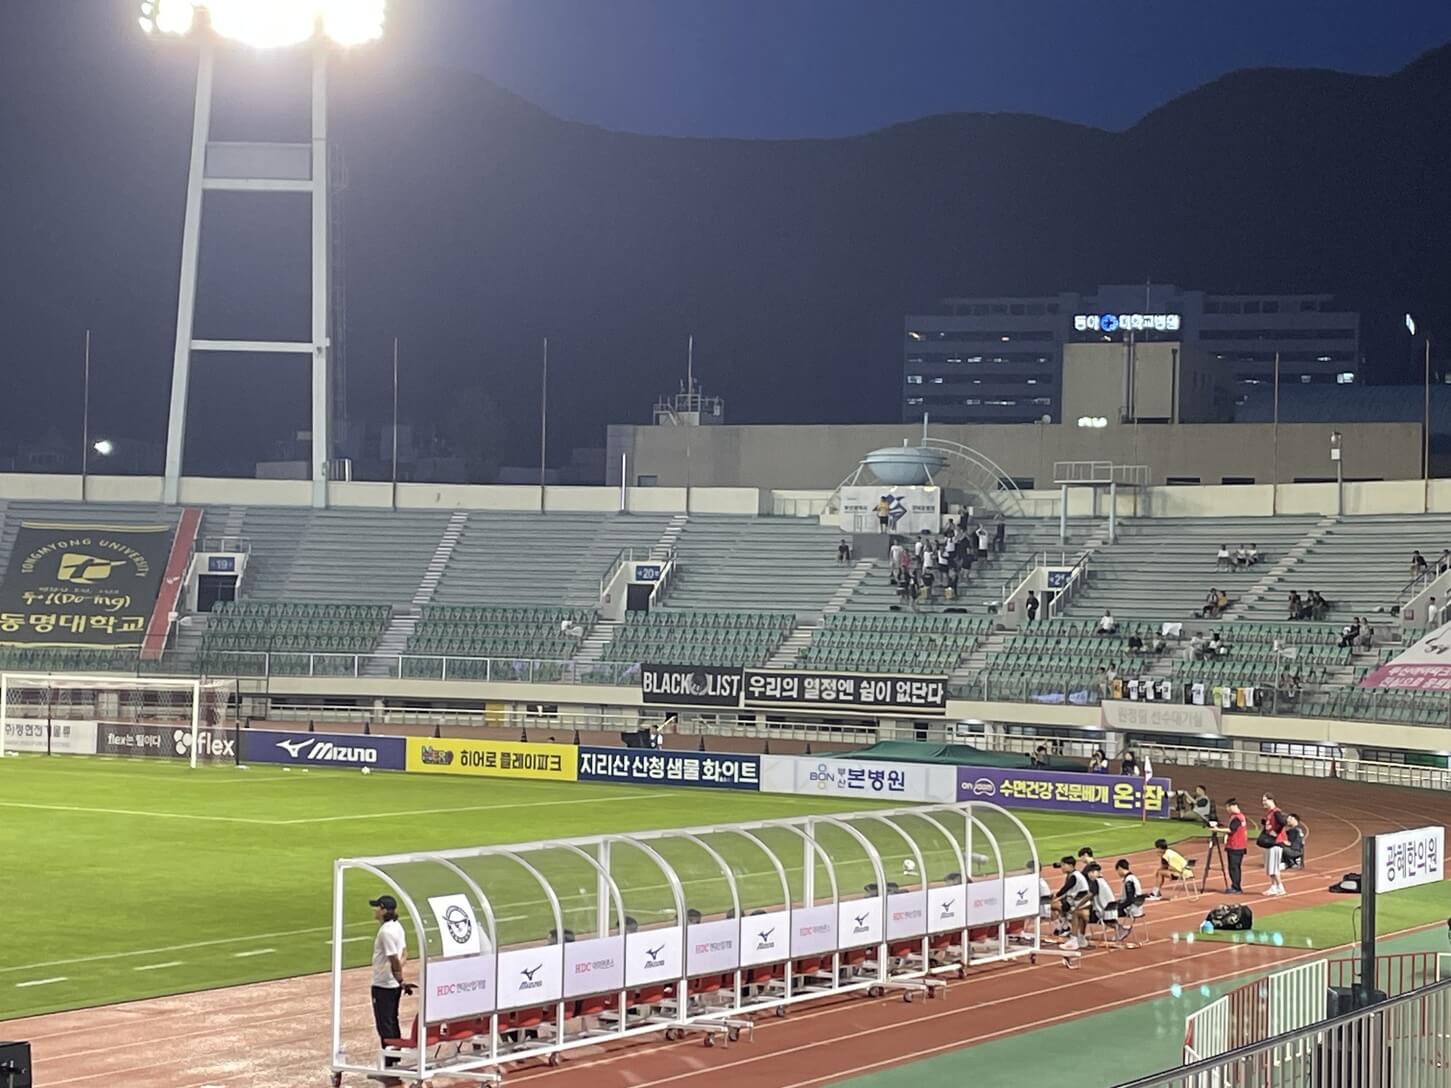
[1067, 861]
[387, 902]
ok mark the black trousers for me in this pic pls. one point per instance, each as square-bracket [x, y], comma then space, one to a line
[1235, 859]
[385, 1014]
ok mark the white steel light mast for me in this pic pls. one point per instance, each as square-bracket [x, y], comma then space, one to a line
[259, 168]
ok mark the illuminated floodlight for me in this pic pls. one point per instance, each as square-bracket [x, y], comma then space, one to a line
[105, 447]
[270, 24]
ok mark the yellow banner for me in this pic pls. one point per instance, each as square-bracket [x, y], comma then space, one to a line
[494, 758]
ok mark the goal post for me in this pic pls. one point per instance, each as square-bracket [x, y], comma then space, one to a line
[112, 715]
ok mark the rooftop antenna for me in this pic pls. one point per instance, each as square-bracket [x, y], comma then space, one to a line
[689, 369]
[924, 428]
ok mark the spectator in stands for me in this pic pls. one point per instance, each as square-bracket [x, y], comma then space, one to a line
[904, 564]
[904, 587]
[1215, 646]
[1030, 606]
[1040, 756]
[1105, 682]
[1236, 845]
[1107, 625]
[1289, 685]
[894, 560]
[884, 514]
[1241, 558]
[1349, 633]
[1136, 644]
[949, 590]
[1272, 840]
[843, 551]
[1098, 762]
[1444, 563]
[1418, 565]
[1000, 534]
[929, 578]
[1294, 605]
[1130, 765]
[1319, 606]
[1131, 901]
[949, 551]
[1198, 646]
[1432, 612]
[1254, 554]
[982, 541]
[1367, 634]
[1171, 867]
[1222, 560]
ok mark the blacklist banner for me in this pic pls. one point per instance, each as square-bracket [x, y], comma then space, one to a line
[82, 585]
[164, 742]
[690, 685]
[772, 689]
[718, 770]
[324, 750]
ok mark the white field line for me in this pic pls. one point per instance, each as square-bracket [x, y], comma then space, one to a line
[254, 952]
[160, 966]
[40, 982]
[136, 812]
[464, 808]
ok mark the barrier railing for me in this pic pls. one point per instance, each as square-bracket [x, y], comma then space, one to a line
[494, 670]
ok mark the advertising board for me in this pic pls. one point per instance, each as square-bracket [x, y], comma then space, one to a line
[1066, 791]
[493, 758]
[458, 988]
[57, 736]
[788, 689]
[718, 770]
[164, 742]
[1405, 859]
[859, 778]
[324, 750]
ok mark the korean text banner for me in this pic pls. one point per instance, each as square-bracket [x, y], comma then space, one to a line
[860, 778]
[718, 770]
[324, 750]
[690, 685]
[1404, 859]
[1066, 791]
[493, 758]
[915, 695]
[82, 585]
[58, 737]
[164, 742]
[1426, 666]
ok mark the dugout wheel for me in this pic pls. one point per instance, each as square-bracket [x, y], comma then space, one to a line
[733, 1034]
[709, 1039]
[336, 1080]
[1033, 958]
[554, 1060]
[671, 1034]
[875, 991]
[780, 1011]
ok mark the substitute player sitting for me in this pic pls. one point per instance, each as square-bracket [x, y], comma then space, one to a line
[1171, 867]
[1067, 898]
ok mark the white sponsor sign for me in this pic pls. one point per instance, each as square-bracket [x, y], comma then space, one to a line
[946, 908]
[1404, 859]
[1426, 666]
[1020, 896]
[813, 930]
[1125, 716]
[713, 948]
[68, 738]
[766, 938]
[595, 966]
[653, 955]
[858, 778]
[985, 902]
[458, 927]
[859, 922]
[530, 976]
[457, 988]
[910, 510]
[906, 914]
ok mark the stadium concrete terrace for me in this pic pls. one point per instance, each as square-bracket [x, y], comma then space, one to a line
[1407, 499]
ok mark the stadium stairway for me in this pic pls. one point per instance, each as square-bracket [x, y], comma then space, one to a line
[1243, 608]
[599, 636]
[772, 564]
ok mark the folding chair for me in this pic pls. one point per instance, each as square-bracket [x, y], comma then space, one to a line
[1188, 883]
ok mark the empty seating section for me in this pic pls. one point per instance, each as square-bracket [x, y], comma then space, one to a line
[487, 631]
[511, 559]
[891, 642]
[1023, 540]
[1162, 568]
[292, 631]
[1360, 565]
[339, 555]
[782, 564]
[674, 637]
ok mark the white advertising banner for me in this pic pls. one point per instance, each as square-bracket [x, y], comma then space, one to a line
[859, 778]
[946, 908]
[906, 915]
[713, 948]
[59, 737]
[766, 938]
[985, 902]
[859, 921]
[1020, 896]
[458, 928]
[910, 510]
[458, 988]
[595, 966]
[813, 930]
[530, 976]
[653, 955]
[1404, 859]
[1426, 666]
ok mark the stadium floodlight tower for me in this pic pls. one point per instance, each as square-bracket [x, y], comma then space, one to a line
[260, 168]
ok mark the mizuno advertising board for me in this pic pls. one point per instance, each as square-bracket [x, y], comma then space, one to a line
[530, 976]
[766, 938]
[346, 750]
[653, 955]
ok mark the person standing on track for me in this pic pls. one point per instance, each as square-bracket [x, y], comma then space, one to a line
[1272, 840]
[390, 951]
[1236, 844]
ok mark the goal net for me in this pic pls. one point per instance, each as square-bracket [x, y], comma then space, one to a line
[72, 714]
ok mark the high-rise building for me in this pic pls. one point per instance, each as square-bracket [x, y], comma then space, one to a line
[1000, 360]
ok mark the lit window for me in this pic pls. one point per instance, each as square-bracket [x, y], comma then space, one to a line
[1345, 377]
[974, 358]
[1032, 381]
[1006, 338]
[1004, 403]
[972, 401]
[937, 380]
[1043, 400]
[915, 335]
[914, 400]
[1305, 379]
[1322, 358]
[914, 379]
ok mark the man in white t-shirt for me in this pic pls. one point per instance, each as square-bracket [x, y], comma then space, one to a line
[390, 951]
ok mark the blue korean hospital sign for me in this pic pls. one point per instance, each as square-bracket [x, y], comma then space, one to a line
[714, 770]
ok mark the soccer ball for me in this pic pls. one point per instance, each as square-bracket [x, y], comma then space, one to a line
[909, 866]
[367, 770]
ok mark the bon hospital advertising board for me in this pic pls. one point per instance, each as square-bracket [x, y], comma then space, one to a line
[814, 776]
[324, 750]
[1065, 791]
[716, 770]
[493, 758]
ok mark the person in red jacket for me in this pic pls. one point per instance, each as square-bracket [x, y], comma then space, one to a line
[1236, 845]
[1271, 840]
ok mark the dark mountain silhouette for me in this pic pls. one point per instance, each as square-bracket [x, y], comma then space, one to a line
[472, 224]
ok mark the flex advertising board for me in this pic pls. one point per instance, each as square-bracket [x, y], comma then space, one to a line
[324, 750]
[813, 930]
[1404, 859]
[458, 988]
[718, 770]
[164, 742]
[65, 738]
[87, 585]
[493, 758]
[946, 909]
[985, 902]
[906, 914]
[690, 685]
[1066, 791]
[1020, 895]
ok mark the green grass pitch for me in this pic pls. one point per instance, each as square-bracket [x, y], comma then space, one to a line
[129, 879]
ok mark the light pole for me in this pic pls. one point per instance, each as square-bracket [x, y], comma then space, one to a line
[1335, 439]
[259, 169]
[1425, 420]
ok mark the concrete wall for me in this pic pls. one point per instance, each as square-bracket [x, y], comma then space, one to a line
[810, 457]
[1170, 381]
